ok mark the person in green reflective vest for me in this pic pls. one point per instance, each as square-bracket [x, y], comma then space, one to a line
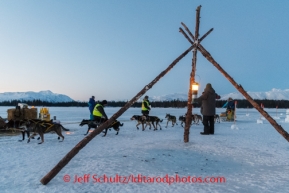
[99, 114]
[145, 107]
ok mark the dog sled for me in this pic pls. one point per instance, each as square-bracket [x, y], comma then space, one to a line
[21, 115]
[229, 115]
[16, 116]
[21, 112]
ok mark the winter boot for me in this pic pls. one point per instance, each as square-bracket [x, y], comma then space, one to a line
[206, 131]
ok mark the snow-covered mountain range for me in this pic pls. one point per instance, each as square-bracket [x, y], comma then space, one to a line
[274, 94]
[30, 95]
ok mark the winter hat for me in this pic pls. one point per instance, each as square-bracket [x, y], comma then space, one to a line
[104, 102]
[146, 97]
[93, 97]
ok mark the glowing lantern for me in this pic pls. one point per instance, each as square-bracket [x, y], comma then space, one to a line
[195, 89]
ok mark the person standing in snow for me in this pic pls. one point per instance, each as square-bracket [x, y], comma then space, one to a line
[145, 107]
[208, 100]
[91, 104]
[99, 113]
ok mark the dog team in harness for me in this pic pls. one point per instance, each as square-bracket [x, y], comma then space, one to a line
[98, 116]
[145, 118]
[208, 100]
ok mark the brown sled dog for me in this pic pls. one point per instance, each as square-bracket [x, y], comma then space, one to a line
[141, 119]
[154, 120]
[197, 118]
[171, 118]
[148, 120]
[182, 119]
[45, 127]
[28, 125]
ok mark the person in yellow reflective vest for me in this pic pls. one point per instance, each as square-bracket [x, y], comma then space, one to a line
[145, 107]
[98, 112]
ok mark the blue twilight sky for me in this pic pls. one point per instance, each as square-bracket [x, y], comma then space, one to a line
[113, 48]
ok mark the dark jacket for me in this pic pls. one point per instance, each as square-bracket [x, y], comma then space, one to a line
[91, 105]
[208, 100]
[230, 105]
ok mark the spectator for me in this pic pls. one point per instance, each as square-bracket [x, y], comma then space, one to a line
[91, 104]
[208, 108]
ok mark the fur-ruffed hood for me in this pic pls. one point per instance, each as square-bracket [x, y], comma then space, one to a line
[209, 89]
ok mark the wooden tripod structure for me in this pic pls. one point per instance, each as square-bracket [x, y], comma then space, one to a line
[195, 45]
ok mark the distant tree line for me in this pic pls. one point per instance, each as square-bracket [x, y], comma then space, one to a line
[163, 104]
[44, 103]
[283, 104]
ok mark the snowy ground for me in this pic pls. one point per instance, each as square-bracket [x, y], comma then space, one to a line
[251, 155]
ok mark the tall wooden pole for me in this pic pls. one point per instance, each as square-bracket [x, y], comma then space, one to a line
[278, 127]
[192, 79]
[50, 175]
